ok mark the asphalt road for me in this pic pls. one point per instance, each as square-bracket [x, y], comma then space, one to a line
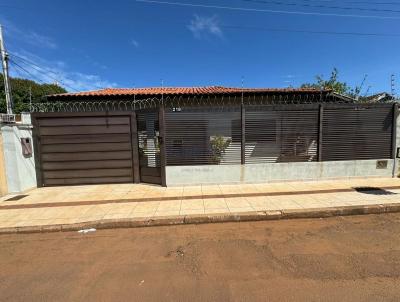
[337, 259]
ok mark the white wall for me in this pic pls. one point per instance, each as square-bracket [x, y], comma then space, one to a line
[20, 170]
[269, 172]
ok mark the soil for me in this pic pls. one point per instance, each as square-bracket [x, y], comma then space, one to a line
[355, 258]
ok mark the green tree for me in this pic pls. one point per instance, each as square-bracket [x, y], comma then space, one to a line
[218, 147]
[20, 93]
[334, 84]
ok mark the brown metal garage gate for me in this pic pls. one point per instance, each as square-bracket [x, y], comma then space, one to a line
[92, 148]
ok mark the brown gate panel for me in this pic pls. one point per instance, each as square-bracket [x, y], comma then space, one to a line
[84, 149]
[358, 132]
[149, 146]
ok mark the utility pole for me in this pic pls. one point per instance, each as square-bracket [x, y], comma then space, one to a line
[7, 86]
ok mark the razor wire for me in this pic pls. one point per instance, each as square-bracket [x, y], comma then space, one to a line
[182, 101]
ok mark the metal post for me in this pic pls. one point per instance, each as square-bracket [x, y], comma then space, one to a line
[320, 128]
[243, 140]
[162, 91]
[135, 148]
[37, 150]
[243, 126]
[394, 139]
[7, 86]
[161, 121]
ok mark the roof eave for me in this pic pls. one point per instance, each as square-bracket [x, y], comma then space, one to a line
[145, 95]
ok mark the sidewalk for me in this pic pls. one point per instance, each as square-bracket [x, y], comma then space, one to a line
[103, 206]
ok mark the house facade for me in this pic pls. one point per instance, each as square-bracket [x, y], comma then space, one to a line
[209, 135]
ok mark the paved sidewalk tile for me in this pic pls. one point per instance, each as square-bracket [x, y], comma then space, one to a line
[216, 211]
[237, 202]
[67, 205]
[170, 205]
[286, 204]
[215, 203]
[191, 211]
[192, 204]
[166, 213]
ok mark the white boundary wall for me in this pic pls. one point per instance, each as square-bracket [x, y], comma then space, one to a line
[272, 172]
[20, 170]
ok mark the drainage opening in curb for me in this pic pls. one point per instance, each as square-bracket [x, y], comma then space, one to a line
[373, 190]
[18, 197]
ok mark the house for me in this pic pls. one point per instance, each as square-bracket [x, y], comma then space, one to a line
[206, 135]
[379, 98]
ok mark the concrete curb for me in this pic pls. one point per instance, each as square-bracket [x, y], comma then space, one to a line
[210, 218]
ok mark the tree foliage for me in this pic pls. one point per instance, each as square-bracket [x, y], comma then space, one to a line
[334, 84]
[20, 93]
[218, 147]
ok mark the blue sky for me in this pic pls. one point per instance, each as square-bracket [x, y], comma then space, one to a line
[95, 44]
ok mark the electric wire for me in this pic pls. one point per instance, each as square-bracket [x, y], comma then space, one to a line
[46, 75]
[29, 62]
[26, 61]
[39, 68]
[260, 28]
[321, 6]
[248, 9]
[356, 2]
[27, 72]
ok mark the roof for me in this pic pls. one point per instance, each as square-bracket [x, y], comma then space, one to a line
[379, 97]
[184, 91]
[344, 97]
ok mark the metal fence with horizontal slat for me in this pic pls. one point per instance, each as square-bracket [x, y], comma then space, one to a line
[357, 132]
[281, 134]
[203, 135]
[278, 133]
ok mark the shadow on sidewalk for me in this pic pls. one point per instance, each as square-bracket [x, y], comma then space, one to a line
[373, 190]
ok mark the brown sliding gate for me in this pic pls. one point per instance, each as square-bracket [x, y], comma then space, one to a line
[95, 148]
[150, 146]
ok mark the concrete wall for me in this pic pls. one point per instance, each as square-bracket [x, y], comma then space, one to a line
[20, 170]
[3, 178]
[269, 172]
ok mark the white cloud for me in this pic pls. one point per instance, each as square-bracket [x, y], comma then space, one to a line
[36, 39]
[289, 76]
[202, 26]
[42, 70]
[99, 65]
[28, 36]
[135, 43]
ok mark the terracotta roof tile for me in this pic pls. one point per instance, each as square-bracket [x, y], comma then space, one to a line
[182, 91]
